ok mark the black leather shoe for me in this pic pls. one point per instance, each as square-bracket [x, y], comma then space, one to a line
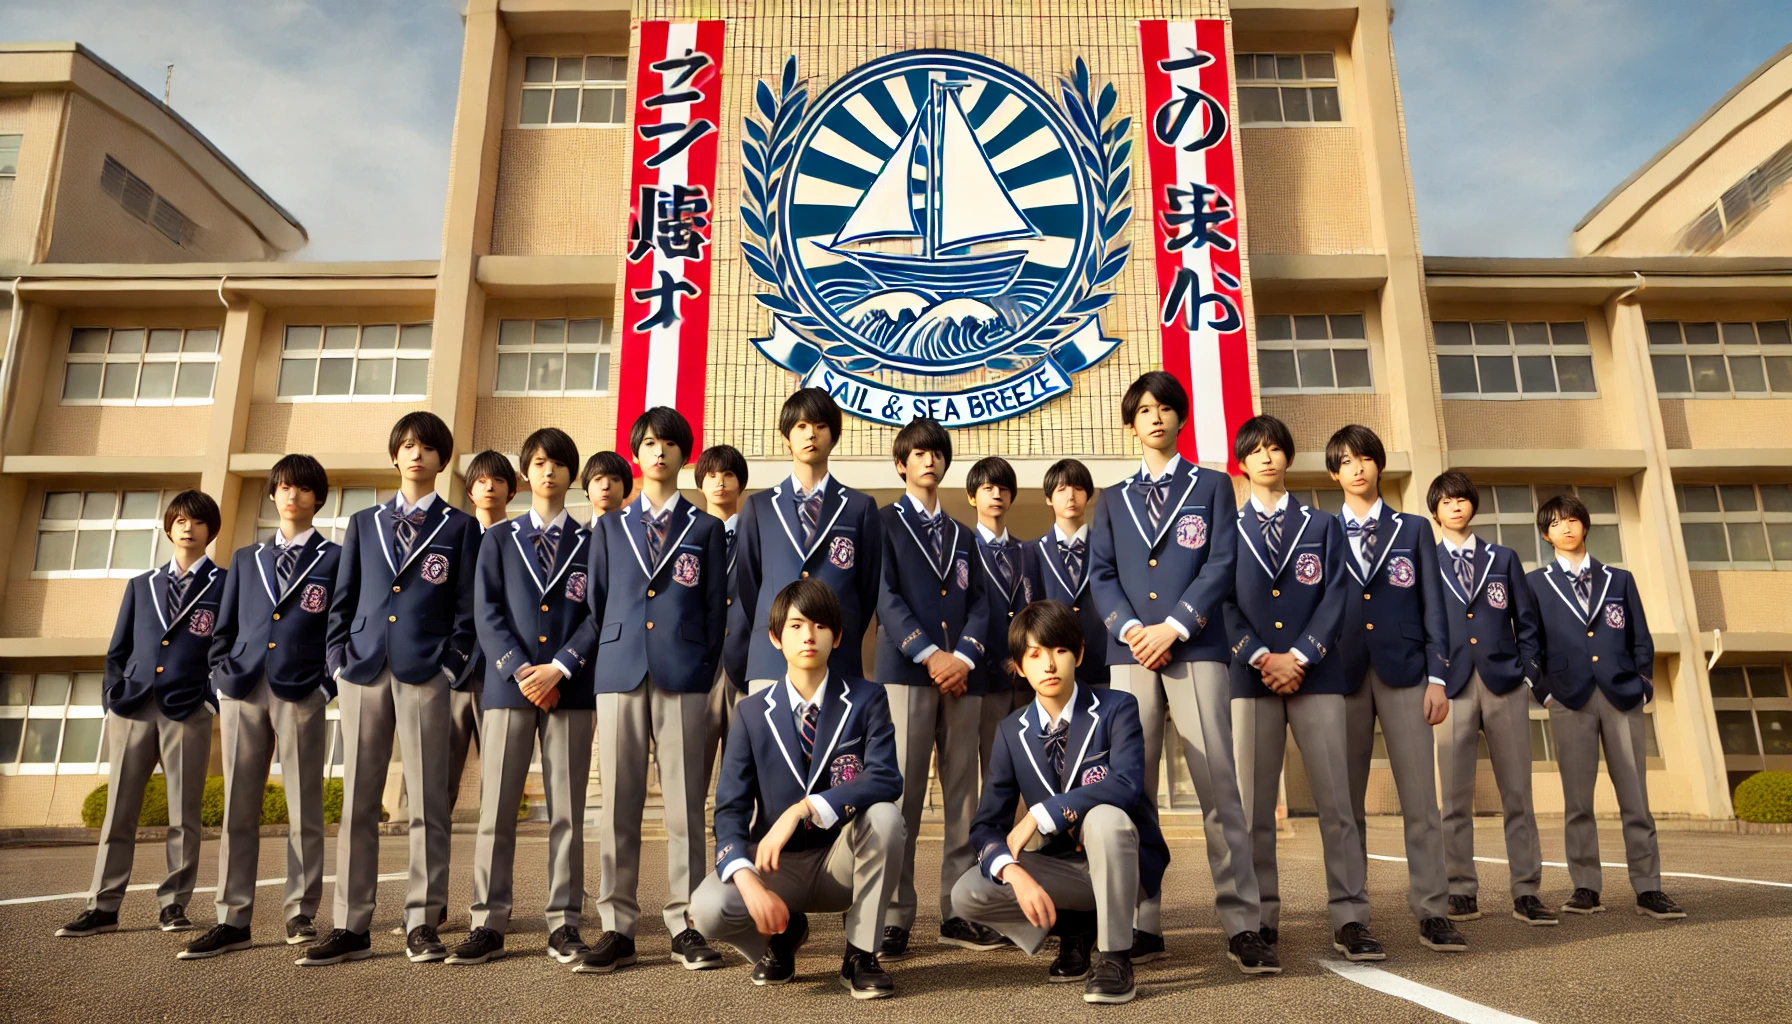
[895, 944]
[1076, 936]
[340, 945]
[299, 929]
[1111, 981]
[861, 975]
[1656, 904]
[566, 945]
[1439, 934]
[1146, 947]
[1531, 911]
[174, 919]
[1252, 955]
[612, 950]
[1270, 935]
[690, 949]
[218, 940]
[482, 945]
[1584, 901]
[91, 922]
[956, 931]
[423, 945]
[1354, 941]
[1465, 908]
[777, 965]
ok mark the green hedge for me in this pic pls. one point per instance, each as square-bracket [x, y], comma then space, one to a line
[211, 804]
[1765, 797]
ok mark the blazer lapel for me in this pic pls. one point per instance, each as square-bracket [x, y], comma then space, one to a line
[1564, 588]
[1391, 518]
[158, 592]
[308, 559]
[195, 593]
[265, 560]
[681, 510]
[1290, 541]
[387, 531]
[830, 723]
[1484, 557]
[779, 720]
[1251, 532]
[1599, 569]
[443, 513]
[1446, 568]
[1191, 473]
[902, 512]
[1049, 556]
[565, 553]
[1032, 740]
[634, 527]
[526, 550]
[1082, 724]
[994, 575]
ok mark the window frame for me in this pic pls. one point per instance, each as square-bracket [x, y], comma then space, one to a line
[331, 522]
[1514, 350]
[141, 357]
[64, 713]
[1722, 349]
[161, 549]
[580, 86]
[1332, 343]
[1492, 523]
[18, 147]
[355, 356]
[1759, 515]
[1307, 83]
[1753, 705]
[603, 350]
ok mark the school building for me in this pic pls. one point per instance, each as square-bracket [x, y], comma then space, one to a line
[160, 334]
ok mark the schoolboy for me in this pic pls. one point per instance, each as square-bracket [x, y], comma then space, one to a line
[1286, 610]
[1495, 658]
[1062, 557]
[1162, 568]
[1074, 864]
[491, 484]
[927, 670]
[1010, 582]
[607, 481]
[806, 526]
[401, 632]
[657, 586]
[1597, 677]
[722, 477]
[159, 708]
[806, 816]
[535, 628]
[1393, 647]
[267, 668]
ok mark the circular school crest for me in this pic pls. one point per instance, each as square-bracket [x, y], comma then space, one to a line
[935, 212]
[314, 598]
[575, 586]
[201, 623]
[1307, 568]
[1614, 616]
[964, 574]
[1191, 531]
[434, 568]
[1400, 571]
[1496, 594]
[840, 553]
[845, 768]
[1094, 775]
[685, 569]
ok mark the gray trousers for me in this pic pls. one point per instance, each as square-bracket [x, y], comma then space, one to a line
[507, 739]
[926, 721]
[1105, 879]
[1198, 695]
[1578, 735]
[1261, 739]
[718, 716]
[253, 730]
[1412, 754]
[1506, 720]
[463, 735]
[135, 742]
[1000, 702]
[418, 714]
[854, 875]
[676, 724]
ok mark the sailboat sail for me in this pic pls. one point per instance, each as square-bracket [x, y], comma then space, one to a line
[973, 205]
[886, 209]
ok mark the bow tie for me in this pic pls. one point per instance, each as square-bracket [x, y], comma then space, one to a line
[1357, 529]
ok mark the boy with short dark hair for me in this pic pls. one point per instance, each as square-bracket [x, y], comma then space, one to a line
[1062, 560]
[607, 481]
[806, 816]
[932, 618]
[159, 708]
[401, 633]
[1598, 676]
[1010, 582]
[267, 667]
[1162, 569]
[491, 483]
[1075, 863]
[722, 477]
[535, 629]
[657, 589]
[1495, 658]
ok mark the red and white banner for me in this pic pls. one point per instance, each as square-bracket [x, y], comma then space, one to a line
[1189, 145]
[664, 324]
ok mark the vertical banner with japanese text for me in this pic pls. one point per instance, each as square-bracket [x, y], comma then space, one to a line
[665, 300]
[1189, 146]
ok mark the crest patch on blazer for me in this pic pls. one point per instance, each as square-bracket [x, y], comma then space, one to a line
[314, 598]
[1401, 572]
[434, 568]
[575, 586]
[1307, 568]
[1496, 594]
[685, 569]
[964, 574]
[1093, 775]
[1191, 532]
[1614, 615]
[840, 553]
[844, 769]
[201, 623]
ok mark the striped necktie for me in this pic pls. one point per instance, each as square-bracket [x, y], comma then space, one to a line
[1271, 523]
[285, 562]
[806, 733]
[731, 533]
[1583, 586]
[1005, 561]
[936, 536]
[1073, 555]
[1365, 532]
[1057, 742]
[1157, 495]
[177, 592]
[656, 535]
[405, 526]
[1465, 569]
[547, 544]
[808, 511]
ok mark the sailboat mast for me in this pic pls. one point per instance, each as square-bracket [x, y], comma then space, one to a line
[935, 128]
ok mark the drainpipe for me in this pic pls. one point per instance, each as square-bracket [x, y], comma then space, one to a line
[8, 371]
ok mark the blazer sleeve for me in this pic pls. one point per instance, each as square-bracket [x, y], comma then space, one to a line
[995, 811]
[1431, 592]
[1534, 583]
[1104, 571]
[871, 545]
[715, 597]
[1206, 596]
[343, 598]
[583, 641]
[118, 652]
[893, 613]
[465, 639]
[736, 795]
[1328, 619]
[597, 572]
[503, 650]
[1241, 633]
[1642, 644]
[881, 781]
[746, 595]
[1527, 624]
[225, 629]
[1032, 573]
[974, 640]
[1124, 785]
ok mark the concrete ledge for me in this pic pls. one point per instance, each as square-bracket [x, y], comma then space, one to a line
[1727, 458]
[54, 647]
[1355, 272]
[1748, 643]
[103, 465]
[259, 463]
[548, 276]
[1615, 461]
[1311, 466]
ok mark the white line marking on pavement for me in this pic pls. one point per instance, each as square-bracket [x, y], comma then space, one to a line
[147, 886]
[1435, 1000]
[1620, 864]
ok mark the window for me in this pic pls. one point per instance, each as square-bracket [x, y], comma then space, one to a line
[9, 155]
[1508, 515]
[574, 90]
[578, 503]
[140, 366]
[332, 519]
[1513, 360]
[100, 534]
[1739, 203]
[1754, 715]
[1285, 88]
[141, 202]
[1312, 354]
[553, 357]
[1325, 499]
[52, 723]
[1543, 737]
[1720, 360]
[1736, 526]
[355, 363]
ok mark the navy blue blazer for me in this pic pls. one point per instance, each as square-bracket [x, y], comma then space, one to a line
[526, 620]
[663, 620]
[279, 633]
[921, 604]
[1054, 581]
[1182, 570]
[1493, 627]
[152, 655]
[415, 616]
[1296, 604]
[846, 554]
[1003, 601]
[1104, 764]
[732, 600]
[1394, 618]
[1608, 646]
[762, 773]
[472, 677]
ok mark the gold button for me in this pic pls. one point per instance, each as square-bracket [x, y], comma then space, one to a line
[1367, 596]
[1278, 625]
[396, 588]
[276, 616]
[1368, 625]
[1595, 657]
[729, 602]
[1076, 608]
[1011, 615]
[1472, 640]
[1471, 615]
[943, 626]
[727, 632]
[541, 639]
[1152, 595]
[1275, 593]
[805, 574]
[650, 625]
[650, 593]
[1589, 632]
[1153, 563]
[942, 593]
[544, 607]
[270, 645]
[391, 618]
[158, 670]
[164, 643]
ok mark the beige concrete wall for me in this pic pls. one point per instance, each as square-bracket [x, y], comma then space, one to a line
[1743, 601]
[336, 427]
[1727, 423]
[1306, 190]
[39, 119]
[561, 191]
[111, 429]
[59, 608]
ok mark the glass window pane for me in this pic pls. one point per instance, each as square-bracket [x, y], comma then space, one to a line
[92, 549]
[1705, 542]
[62, 505]
[1260, 105]
[297, 377]
[1310, 328]
[1599, 500]
[538, 69]
[1700, 334]
[1767, 680]
[121, 381]
[1544, 492]
[99, 506]
[1275, 369]
[1320, 66]
[1325, 103]
[1294, 105]
[1574, 374]
[1708, 374]
[1244, 65]
[1540, 739]
[1538, 374]
[1329, 500]
[1748, 543]
[1737, 334]
[1353, 367]
[164, 340]
[1776, 732]
[373, 377]
[157, 381]
[1773, 332]
[514, 332]
[591, 332]
[1746, 374]
[334, 376]
[379, 336]
[341, 338]
[1514, 500]
[127, 341]
[88, 690]
[1266, 66]
[1736, 732]
[15, 690]
[88, 339]
[580, 368]
[1348, 326]
[1697, 498]
[412, 377]
[551, 333]
[595, 107]
[1737, 497]
[1316, 368]
[354, 499]
[202, 341]
[1573, 332]
[1779, 373]
[569, 69]
[1671, 377]
[1288, 67]
[597, 69]
[1776, 497]
[55, 551]
[51, 690]
[545, 371]
[1491, 333]
[603, 371]
[1530, 334]
[1274, 328]
[81, 381]
[1603, 543]
[1728, 682]
[535, 106]
[1779, 540]
[566, 106]
[142, 505]
[41, 739]
[1451, 332]
[416, 337]
[1456, 374]
[195, 380]
[513, 373]
[11, 730]
[303, 339]
[1497, 375]
[81, 741]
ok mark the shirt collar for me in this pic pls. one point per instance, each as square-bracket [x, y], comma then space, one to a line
[990, 538]
[1169, 470]
[795, 699]
[1375, 512]
[821, 486]
[300, 541]
[1573, 568]
[1281, 505]
[649, 511]
[1082, 534]
[174, 567]
[915, 503]
[402, 509]
[1045, 725]
[559, 520]
[731, 523]
[1467, 548]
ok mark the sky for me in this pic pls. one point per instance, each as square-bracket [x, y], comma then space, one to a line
[1521, 114]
